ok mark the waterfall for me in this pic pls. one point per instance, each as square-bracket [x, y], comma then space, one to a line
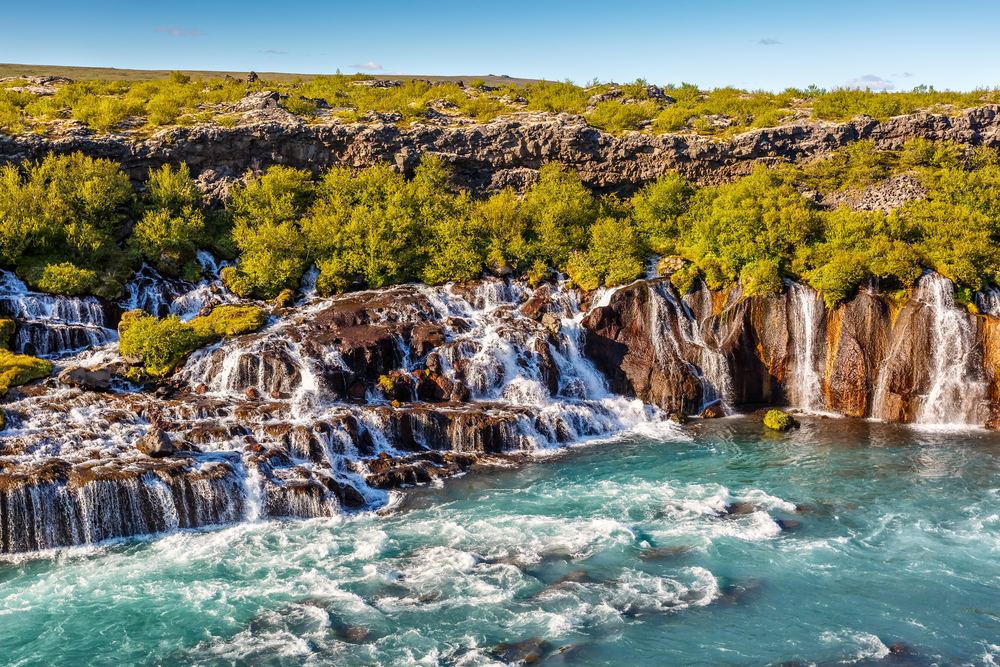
[808, 348]
[52, 326]
[670, 318]
[956, 383]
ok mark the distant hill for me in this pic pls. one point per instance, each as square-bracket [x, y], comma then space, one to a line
[113, 74]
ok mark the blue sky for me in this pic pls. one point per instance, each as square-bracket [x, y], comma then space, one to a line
[767, 45]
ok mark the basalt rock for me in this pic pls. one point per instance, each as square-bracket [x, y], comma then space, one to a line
[95, 379]
[623, 342]
[156, 444]
[506, 151]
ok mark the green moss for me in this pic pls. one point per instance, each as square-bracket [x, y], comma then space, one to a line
[779, 421]
[6, 331]
[160, 345]
[388, 386]
[18, 369]
[227, 321]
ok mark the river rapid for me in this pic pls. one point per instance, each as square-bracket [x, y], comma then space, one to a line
[840, 539]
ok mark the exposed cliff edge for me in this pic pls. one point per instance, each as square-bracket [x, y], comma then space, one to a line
[341, 398]
[506, 151]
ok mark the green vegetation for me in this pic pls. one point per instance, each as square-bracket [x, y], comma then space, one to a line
[59, 219]
[185, 98]
[780, 421]
[18, 369]
[66, 226]
[160, 345]
[7, 327]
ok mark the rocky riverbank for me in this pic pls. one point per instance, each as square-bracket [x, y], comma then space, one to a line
[338, 400]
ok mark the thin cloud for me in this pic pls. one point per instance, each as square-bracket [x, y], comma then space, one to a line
[371, 66]
[272, 52]
[768, 42]
[181, 32]
[870, 81]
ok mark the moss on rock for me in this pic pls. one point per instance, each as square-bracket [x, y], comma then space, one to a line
[160, 345]
[18, 369]
[779, 421]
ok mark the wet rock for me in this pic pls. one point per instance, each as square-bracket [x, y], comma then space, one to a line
[347, 495]
[426, 337]
[621, 342]
[460, 392]
[736, 509]
[528, 651]
[713, 411]
[664, 552]
[679, 418]
[252, 393]
[900, 649]
[788, 524]
[156, 444]
[94, 379]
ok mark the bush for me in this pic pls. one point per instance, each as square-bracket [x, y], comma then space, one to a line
[560, 211]
[228, 321]
[64, 278]
[582, 272]
[7, 328]
[684, 278]
[616, 251]
[613, 116]
[657, 208]
[300, 106]
[18, 369]
[266, 229]
[857, 165]
[761, 278]
[841, 276]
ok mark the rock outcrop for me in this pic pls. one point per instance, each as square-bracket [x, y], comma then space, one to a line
[506, 151]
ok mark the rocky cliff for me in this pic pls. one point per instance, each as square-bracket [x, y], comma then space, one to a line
[506, 151]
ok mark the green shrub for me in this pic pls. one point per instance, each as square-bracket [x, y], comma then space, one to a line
[64, 278]
[779, 421]
[169, 242]
[684, 278]
[582, 272]
[7, 327]
[615, 251]
[839, 277]
[477, 84]
[857, 165]
[18, 369]
[560, 210]
[266, 229]
[761, 278]
[657, 208]
[300, 106]
[501, 225]
[613, 116]
[716, 274]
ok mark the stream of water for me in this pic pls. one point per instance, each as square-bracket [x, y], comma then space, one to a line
[616, 552]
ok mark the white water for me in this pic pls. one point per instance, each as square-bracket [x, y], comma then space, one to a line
[807, 348]
[957, 386]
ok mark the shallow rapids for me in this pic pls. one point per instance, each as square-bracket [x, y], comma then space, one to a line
[707, 544]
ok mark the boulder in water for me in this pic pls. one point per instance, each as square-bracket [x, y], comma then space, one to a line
[156, 443]
[678, 418]
[713, 411]
[94, 379]
[664, 552]
[528, 651]
[780, 421]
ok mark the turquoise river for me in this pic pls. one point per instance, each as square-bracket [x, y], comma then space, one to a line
[620, 552]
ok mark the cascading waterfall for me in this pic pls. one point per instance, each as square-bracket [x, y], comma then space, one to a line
[52, 326]
[670, 317]
[806, 386]
[957, 386]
